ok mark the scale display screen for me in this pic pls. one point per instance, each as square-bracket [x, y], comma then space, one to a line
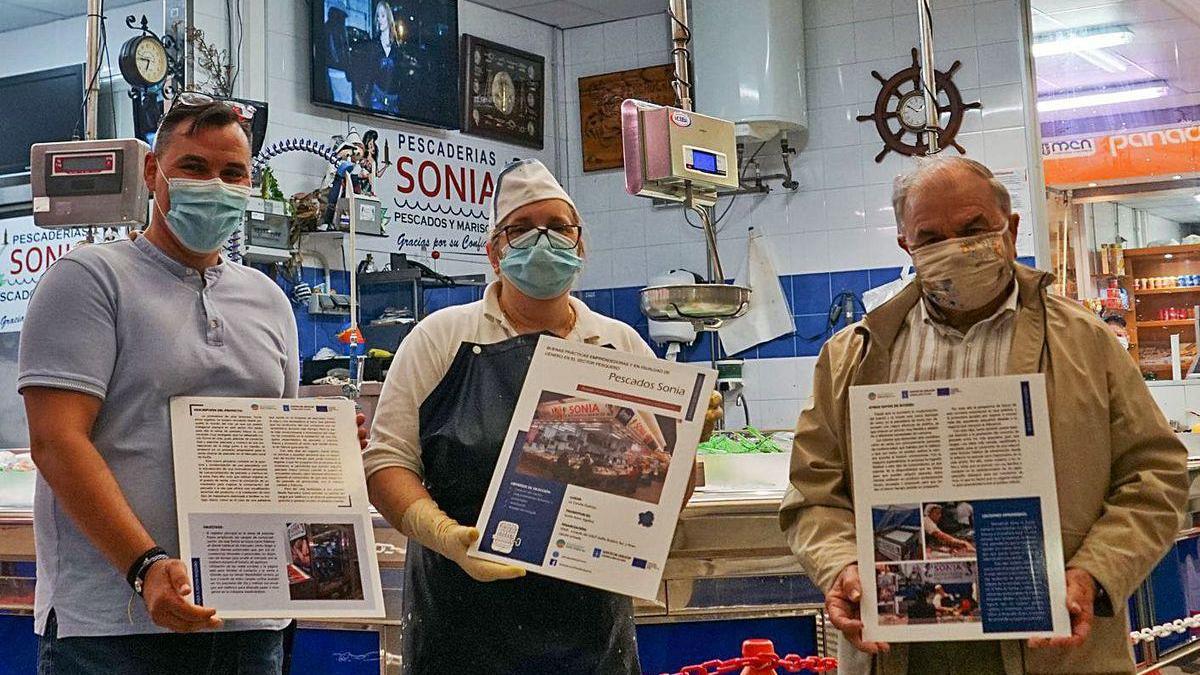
[75, 165]
[704, 161]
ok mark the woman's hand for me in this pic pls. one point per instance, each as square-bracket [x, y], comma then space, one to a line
[428, 524]
[459, 538]
[716, 411]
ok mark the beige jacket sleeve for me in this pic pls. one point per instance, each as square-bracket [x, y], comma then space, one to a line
[817, 513]
[1148, 486]
[420, 364]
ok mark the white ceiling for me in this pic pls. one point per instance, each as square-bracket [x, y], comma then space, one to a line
[15, 14]
[575, 13]
[1165, 47]
[1176, 205]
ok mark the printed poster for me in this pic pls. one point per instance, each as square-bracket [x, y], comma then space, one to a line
[957, 511]
[595, 467]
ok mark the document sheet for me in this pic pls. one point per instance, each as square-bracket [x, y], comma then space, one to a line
[593, 471]
[273, 511]
[956, 510]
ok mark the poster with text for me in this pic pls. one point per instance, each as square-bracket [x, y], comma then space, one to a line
[957, 511]
[273, 511]
[593, 471]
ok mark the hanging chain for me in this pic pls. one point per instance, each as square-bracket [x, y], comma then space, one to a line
[1163, 630]
[791, 663]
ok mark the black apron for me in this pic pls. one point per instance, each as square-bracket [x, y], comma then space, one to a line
[525, 626]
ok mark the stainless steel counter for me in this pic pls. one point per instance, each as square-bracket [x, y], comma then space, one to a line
[728, 554]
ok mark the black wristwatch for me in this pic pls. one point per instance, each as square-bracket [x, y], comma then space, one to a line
[136, 576]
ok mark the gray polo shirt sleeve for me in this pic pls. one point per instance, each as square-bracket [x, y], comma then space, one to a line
[68, 340]
[291, 371]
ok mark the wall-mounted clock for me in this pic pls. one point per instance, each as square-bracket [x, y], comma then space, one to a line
[144, 61]
[899, 114]
[505, 92]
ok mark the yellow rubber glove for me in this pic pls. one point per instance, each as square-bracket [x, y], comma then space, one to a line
[716, 410]
[428, 524]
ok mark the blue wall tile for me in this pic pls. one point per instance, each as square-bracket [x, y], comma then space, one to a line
[811, 326]
[812, 293]
[779, 348]
[856, 282]
[882, 275]
[626, 305]
[599, 301]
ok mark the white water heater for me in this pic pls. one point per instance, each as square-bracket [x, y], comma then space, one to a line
[749, 64]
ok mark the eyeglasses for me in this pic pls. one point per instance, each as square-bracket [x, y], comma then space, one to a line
[194, 99]
[562, 236]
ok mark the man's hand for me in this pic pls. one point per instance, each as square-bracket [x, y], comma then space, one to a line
[841, 604]
[1081, 597]
[166, 593]
[716, 410]
[363, 430]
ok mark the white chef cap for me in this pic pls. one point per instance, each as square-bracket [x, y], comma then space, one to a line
[524, 182]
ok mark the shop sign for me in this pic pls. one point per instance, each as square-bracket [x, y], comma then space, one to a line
[26, 251]
[438, 193]
[1131, 154]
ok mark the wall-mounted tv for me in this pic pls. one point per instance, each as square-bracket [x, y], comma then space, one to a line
[397, 58]
[38, 107]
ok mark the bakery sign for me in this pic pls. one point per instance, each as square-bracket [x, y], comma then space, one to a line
[438, 193]
[1168, 150]
[26, 251]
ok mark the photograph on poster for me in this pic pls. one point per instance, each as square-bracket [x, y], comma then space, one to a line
[911, 593]
[597, 445]
[949, 530]
[324, 562]
[897, 532]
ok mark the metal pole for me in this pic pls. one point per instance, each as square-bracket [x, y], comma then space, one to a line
[681, 33]
[94, 10]
[928, 76]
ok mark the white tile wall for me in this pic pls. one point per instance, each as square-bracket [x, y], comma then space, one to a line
[777, 390]
[841, 217]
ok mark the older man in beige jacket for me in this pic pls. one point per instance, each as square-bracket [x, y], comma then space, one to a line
[974, 312]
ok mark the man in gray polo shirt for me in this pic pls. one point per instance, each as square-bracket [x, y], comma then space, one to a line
[112, 333]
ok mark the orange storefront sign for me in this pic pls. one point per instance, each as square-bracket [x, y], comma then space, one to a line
[1138, 153]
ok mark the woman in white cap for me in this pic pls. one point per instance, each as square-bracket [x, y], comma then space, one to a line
[441, 419]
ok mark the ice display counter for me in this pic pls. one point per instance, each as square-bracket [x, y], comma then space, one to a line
[730, 576]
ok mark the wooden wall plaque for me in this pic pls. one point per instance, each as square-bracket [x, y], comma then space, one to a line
[600, 99]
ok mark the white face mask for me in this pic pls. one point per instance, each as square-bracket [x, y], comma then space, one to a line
[965, 274]
[1124, 341]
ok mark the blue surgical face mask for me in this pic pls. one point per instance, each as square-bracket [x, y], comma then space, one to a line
[541, 271]
[204, 213]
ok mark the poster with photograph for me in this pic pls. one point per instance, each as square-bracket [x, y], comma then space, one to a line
[954, 482]
[272, 506]
[595, 465]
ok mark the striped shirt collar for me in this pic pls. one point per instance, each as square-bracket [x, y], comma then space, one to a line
[929, 318]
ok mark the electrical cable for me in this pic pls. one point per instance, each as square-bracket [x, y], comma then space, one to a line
[837, 310]
[687, 53]
[81, 126]
[732, 199]
[112, 103]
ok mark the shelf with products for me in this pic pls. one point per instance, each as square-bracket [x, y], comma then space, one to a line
[1175, 323]
[1162, 285]
[1166, 291]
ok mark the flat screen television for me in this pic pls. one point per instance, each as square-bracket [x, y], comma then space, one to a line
[397, 58]
[38, 107]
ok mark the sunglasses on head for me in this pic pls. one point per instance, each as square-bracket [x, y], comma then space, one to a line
[194, 99]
